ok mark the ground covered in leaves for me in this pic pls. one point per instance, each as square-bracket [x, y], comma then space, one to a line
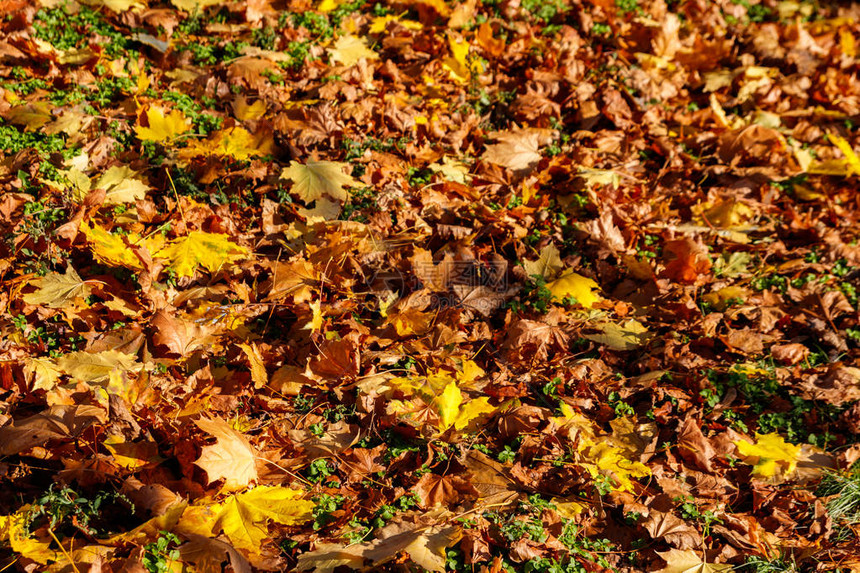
[514, 285]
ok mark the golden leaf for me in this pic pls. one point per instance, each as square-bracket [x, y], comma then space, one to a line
[212, 251]
[258, 366]
[236, 142]
[318, 178]
[349, 50]
[577, 286]
[15, 528]
[162, 128]
[95, 367]
[771, 455]
[245, 516]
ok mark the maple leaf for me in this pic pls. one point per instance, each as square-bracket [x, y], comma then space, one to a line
[15, 529]
[317, 178]
[847, 166]
[771, 455]
[258, 367]
[95, 367]
[212, 251]
[349, 50]
[517, 150]
[245, 516]
[688, 561]
[548, 264]
[628, 335]
[425, 544]
[162, 128]
[327, 557]
[236, 142]
[43, 372]
[56, 290]
[452, 412]
[115, 249]
[231, 457]
[121, 185]
[458, 65]
[577, 286]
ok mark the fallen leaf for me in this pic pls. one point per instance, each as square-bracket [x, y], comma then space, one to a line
[349, 50]
[317, 178]
[688, 561]
[95, 367]
[212, 251]
[231, 458]
[771, 455]
[245, 516]
[162, 128]
[577, 286]
[57, 290]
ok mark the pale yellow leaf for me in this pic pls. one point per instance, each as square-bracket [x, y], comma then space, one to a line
[548, 264]
[95, 367]
[231, 457]
[689, 561]
[121, 185]
[349, 50]
[57, 290]
[317, 178]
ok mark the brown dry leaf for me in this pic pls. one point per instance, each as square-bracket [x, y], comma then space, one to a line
[687, 260]
[424, 541]
[180, 337]
[694, 447]
[57, 422]
[516, 150]
[231, 458]
[676, 532]
[448, 490]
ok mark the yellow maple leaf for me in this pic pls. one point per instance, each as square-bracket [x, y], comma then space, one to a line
[95, 367]
[208, 250]
[56, 290]
[348, 50]
[380, 23]
[162, 128]
[112, 249]
[245, 516]
[577, 286]
[611, 459]
[452, 412]
[771, 455]
[458, 65]
[249, 111]
[231, 457]
[317, 178]
[845, 167]
[15, 528]
[236, 142]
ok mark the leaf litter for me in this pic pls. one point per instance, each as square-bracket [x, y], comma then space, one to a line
[550, 286]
